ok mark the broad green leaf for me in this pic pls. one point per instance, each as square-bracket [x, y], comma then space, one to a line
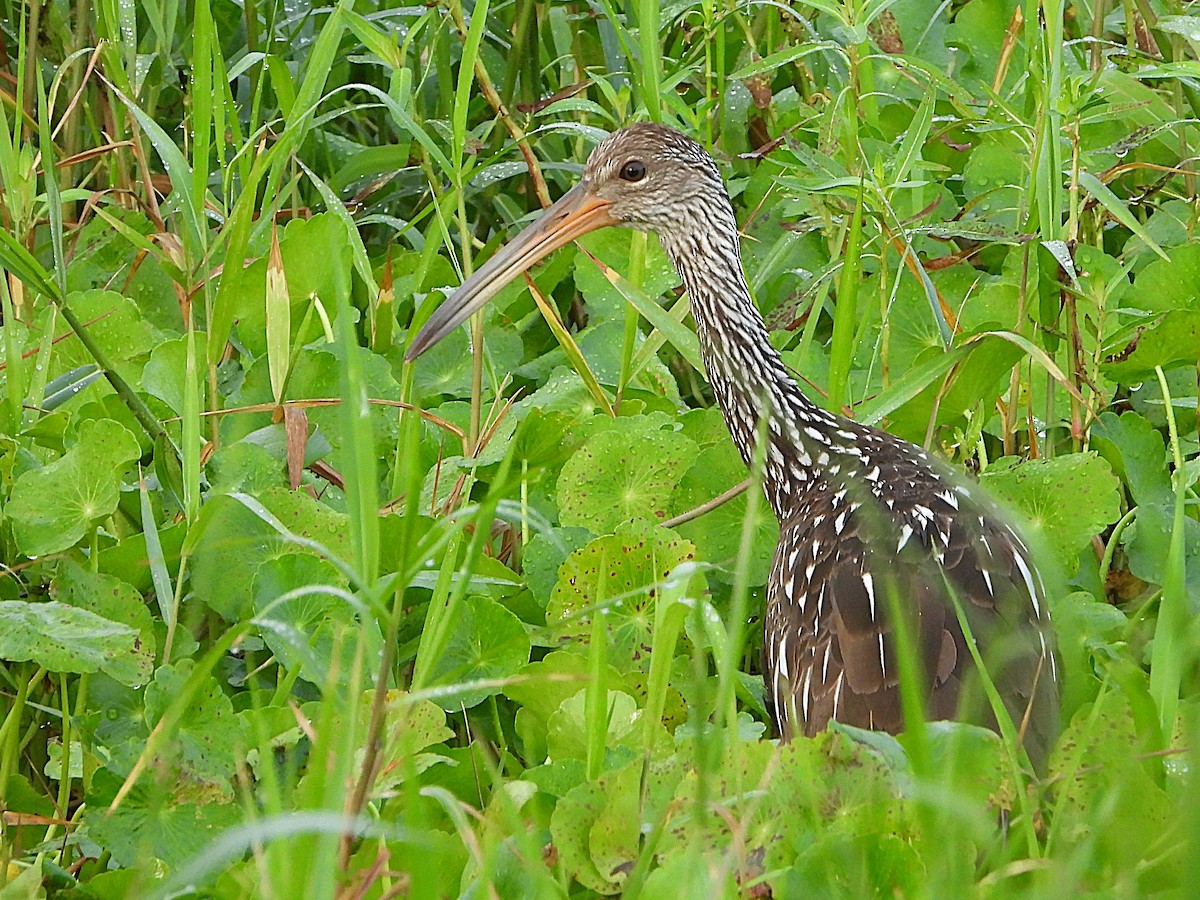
[165, 373]
[717, 534]
[622, 572]
[412, 728]
[101, 253]
[1089, 632]
[628, 470]
[149, 826]
[315, 259]
[486, 642]
[1137, 453]
[705, 426]
[63, 638]
[207, 739]
[615, 838]
[1066, 500]
[679, 336]
[815, 794]
[979, 30]
[316, 374]
[130, 560]
[545, 553]
[558, 778]
[248, 465]
[992, 179]
[597, 826]
[571, 350]
[542, 686]
[112, 599]
[52, 508]
[117, 326]
[306, 617]
[678, 876]
[563, 396]
[1167, 287]
[973, 763]
[234, 539]
[604, 302]
[567, 728]
[571, 824]
[1107, 789]
[1170, 342]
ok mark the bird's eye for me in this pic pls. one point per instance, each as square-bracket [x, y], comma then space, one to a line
[634, 170]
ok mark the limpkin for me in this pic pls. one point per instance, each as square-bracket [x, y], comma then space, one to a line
[871, 527]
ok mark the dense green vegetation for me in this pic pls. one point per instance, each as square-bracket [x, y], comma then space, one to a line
[284, 616]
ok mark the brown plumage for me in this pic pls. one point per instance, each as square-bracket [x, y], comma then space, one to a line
[877, 539]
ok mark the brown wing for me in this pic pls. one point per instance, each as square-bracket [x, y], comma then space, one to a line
[831, 649]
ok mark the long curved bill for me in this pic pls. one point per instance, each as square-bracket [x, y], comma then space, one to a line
[576, 213]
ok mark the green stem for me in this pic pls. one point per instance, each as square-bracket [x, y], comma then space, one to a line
[10, 732]
[128, 396]
[1114, 541]
[64, 774]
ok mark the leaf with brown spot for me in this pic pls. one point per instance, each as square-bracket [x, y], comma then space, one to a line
[621, 571]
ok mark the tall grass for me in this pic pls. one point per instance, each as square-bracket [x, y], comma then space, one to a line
[364, 728]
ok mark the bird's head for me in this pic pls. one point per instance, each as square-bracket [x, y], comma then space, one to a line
[644, 176]
[651, 177]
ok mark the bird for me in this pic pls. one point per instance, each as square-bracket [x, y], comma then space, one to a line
[885, 554]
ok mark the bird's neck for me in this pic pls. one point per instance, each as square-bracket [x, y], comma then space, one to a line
[747, 375]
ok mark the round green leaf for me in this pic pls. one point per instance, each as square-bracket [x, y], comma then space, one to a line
[115, 323]
[1067, 500]
[718, 533]
[486, 641]
[61, 638]
[624, 571]
[305, 631]
[149, 825]
[231, 538]
[53, 507]
[566, 734]
[1171, 284]
[205, 740]
[570, 826]
[626, 470]
[113, 599]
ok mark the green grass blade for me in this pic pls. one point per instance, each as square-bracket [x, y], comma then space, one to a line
[178, 171]
[362, 485]
[651, 61]
[1168, 654]
[54, 205]
[596, 707]
[675, 332]
[159, 575]
[1119, 210]
[845, 317]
